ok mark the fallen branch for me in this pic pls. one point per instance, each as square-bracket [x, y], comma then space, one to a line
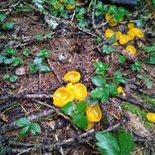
[10, 126]
[138, 103]
[26, 96]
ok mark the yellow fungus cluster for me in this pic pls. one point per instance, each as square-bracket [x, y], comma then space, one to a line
[78, 92]
[121, 91]
[122, 39]
[151, 117]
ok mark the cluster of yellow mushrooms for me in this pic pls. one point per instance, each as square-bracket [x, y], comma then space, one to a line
[75, 91]
[122, 39]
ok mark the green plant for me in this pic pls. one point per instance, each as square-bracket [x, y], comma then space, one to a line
[11, 78]
[105, 86]
[121, 58]
[27, 126]
[77, 112]
[136, 66]
[106, 49]
[38, 63]
[147, 81]
[122, 144]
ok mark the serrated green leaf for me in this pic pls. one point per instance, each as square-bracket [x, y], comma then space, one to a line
[16, 61]
[26, 52]
[68, 108]
[113, 89]
[151, 59]
[43, 53]
[35, 128]
[80, 107]
[22, 122]
[118, 78]
[24, 131]
[105, 95]
[107, 144]
[136, 66]
[101, 67]
[121, 58]
[106, 49]
[80, 120]
[39, 37]
[10, 51]
[126, 143]
[97, 93]
[98, 80]
[6, 77]
[2, 17]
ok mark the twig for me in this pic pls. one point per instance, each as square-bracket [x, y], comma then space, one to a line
[26, 96]
[12, 125]
[138, 103]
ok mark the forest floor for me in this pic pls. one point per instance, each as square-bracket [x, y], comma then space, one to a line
[26, 91]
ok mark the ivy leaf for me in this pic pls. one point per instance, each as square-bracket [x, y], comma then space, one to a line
[22, 122]
[13, 78]
[35, 128]
[126, 143]
[68, 108]
[98, 80]
[24, 131]
[106, 49]
[80, 107]
[80, 120]
[107, 144]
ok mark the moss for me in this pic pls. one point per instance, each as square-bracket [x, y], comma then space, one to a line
[139, 112]
[148, 99]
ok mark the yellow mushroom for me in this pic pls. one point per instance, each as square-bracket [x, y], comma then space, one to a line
[62, 96]
[72, 76]
[80, 92]
[123, 39]
[131, 34]
[130, 25]
[118, 34]
[151, 117]
[109, 33]
[94, 113]
[131, 49]
[138, 32]
[110, 20]
[121, 91]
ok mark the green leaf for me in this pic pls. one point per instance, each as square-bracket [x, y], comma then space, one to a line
[44, 68]
[112, 9]
[121, 58]
[26, 52]
[2, 59]
[151, 59]
[126, 143]
[16, 61]
[106, 49]
[39, 37]
[10, 51]
[33, 68]
[97, 93]
[8, 61]
[68, 108]
[2, 17]
[38, 60]
[118, 78]
[80, 120]
[98, 80]
[80, 107]
[35, 128]
[22, 122]
[113, 89]
[149, 49]
[7, 25]
[136, 66]
[101, 67]
[24, 131]
[105, 95]
[13, 78]
[91, 101]
[107, 144]
[43, 53]
[6, 77]
[99, 40]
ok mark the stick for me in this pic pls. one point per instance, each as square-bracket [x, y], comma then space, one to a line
[141, 104]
